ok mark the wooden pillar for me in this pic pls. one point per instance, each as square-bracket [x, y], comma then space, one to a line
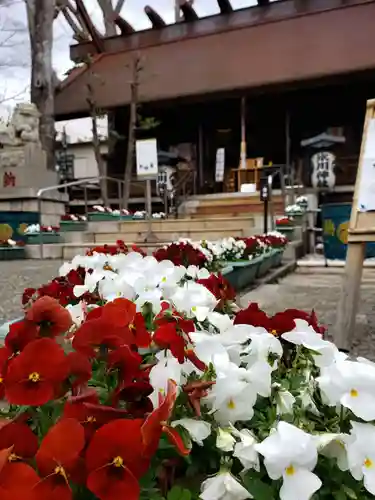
[243, 132]
[200, 156]
[349, 299]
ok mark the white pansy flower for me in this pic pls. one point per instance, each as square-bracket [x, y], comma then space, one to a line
[361, 454]
[324, 352]
[223, 486]
[291, 454]
[334, 446]
[224, 440]
[198, 430]
[352, 384]
[245, 450]
[285, 402]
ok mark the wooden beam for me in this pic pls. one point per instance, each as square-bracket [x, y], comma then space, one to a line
[225, 6]
[188, 12]
[125, 27]
[262, 3]
[156, 20]
[93, 32]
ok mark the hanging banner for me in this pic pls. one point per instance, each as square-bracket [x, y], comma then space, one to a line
[147, 159]
[220, 165]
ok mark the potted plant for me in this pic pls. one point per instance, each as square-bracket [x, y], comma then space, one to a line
[100, 213]
[71, 222]
[285, 225]
[12, 250]
[35, 234]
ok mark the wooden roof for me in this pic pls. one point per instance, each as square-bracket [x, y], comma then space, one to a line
[281, 41]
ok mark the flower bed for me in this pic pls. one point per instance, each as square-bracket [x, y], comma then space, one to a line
[12, 250]
[142, 379]
[36, 233]
[71, 222]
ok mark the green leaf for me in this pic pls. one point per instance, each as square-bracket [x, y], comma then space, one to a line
[349, 492]
[259, 490]
[339, 495]
[177, 493]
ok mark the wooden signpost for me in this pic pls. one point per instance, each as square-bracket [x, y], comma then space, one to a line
[361, 230]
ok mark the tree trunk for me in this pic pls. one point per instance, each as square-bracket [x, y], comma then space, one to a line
[131, 143]
[40, 16]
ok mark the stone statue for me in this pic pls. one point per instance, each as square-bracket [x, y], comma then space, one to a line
[23, 127]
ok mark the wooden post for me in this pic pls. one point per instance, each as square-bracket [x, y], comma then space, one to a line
[243, 133]
[200, 156]
[348, 304]
[361, 230]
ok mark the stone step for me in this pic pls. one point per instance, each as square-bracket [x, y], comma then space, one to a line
[171, 234]
[67, 251]
[186, 224]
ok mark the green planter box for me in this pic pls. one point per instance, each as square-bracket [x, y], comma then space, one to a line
[277, 257]
[139, 218]
[298, 219]
[243, 273]
[265, 265]
[101, 217]
[12, 253]
[126, 217]
[37, 238]
[287, 231]
[68, 225]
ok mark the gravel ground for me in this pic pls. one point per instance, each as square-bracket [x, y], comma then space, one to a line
[17, 275]
[319, 289]
[306, 289]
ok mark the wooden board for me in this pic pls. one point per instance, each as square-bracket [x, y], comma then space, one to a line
[361, 230]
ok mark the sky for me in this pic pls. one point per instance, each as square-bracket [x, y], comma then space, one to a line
[15, 52]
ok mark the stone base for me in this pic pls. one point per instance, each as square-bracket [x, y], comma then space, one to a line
[24, 200]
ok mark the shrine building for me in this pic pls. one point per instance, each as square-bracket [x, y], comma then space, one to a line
[282, 83]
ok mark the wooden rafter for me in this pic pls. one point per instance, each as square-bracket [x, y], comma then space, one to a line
[188, 12]
[86, 21]
[125, 27]
[156, 20]
[225, 6]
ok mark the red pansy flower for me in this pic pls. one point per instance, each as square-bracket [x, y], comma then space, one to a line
[58, 459]
[20, 439]
[220, 288]
[17, 480]
[5, 355]
[128, 362]
[115, 460]
[28, 295]
[252, 316]
[34, 376]
[80, 369]
[89, 413]
[20, 334]
[169, 337]
[157, 423]
[50, 316]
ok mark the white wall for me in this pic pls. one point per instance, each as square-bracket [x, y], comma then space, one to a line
[84, 160]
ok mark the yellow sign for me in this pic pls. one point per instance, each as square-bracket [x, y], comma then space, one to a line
[342, 232]
[6, 232]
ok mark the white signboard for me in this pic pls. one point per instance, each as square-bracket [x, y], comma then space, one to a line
[147, 158]
[220, 165]
[366, 195]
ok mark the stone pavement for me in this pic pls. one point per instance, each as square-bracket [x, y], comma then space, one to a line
[319, 289]
[17, 275]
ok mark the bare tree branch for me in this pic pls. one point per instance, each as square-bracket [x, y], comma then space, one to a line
[119, 6]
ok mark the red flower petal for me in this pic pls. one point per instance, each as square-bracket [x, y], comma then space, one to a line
[32, 377]
[107, 483]
[50, 316]
[20, 438]
[175, 439]
[17, 481]
[61, 446]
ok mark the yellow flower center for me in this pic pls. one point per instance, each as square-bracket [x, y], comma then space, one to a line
[132, 327]
[107, 267]
[61, 471]
[164, 279]
[368, 463]
[1, 380]
[290, 470]
[118, 462]
[13, 457]
[354, 393]
[231, 405]
[194, 308]
[274, 332]
[34, 377]
[90, 419]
